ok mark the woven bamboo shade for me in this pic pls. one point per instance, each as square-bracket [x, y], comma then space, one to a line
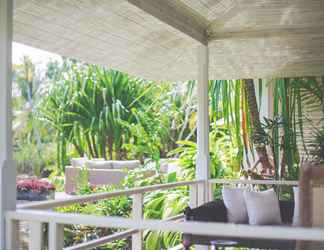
[247, 38]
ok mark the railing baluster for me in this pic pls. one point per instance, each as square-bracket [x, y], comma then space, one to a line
[210, 191]
[137, 213]
[202, 193]
[193, 193]
[12, 234]
[36, 235]
[55, 236]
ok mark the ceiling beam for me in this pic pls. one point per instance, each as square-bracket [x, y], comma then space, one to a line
[281, 31]
[178, 15]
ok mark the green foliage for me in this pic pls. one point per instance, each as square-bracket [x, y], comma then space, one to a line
[118, 206]
[29, 134]
[30, 161]
[318, 146]
[229, 107]
[161, 205]
[89, 109]
[157, 205]
[108, 114]
[224, 159]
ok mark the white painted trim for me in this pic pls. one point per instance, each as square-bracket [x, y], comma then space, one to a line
[203, 158]
[202, 164]
[36, 235]
[55, 236]
[281, 32]
[101, 196]
[12, 235]
[202, 228]
[178, 15]
[193, 196]
[7, 168]
[254, 182]
[5, 79]
[210, 191]
[137, 214]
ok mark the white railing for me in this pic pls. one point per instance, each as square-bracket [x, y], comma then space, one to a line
[56, 229]
[200, 228]
[37, 214]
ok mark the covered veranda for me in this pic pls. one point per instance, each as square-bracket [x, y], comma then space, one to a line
[158, 40]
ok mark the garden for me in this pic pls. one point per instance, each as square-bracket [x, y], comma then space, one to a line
[72, 109]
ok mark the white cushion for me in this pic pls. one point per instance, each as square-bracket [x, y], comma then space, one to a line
[296, 220]
[99, 164]
[126, 164]
[263, 207]
[235, 205]
[78, 162]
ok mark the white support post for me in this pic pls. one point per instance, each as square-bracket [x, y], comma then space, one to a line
[55, 236]
[12, 235]
[36, 235]
[137, 213]
[202, 164]
[7, 168]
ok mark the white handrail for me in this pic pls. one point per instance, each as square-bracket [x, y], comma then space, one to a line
[115, 236]
[198, 228]
[103, 240]
[105, 195]
[254, 182]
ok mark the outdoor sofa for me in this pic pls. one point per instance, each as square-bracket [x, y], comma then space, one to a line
[215, 211]
[99, 172]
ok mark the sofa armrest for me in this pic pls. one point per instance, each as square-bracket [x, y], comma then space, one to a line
[214, 211]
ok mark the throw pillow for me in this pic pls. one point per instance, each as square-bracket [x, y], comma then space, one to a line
[99, 164]
[126, 164]
[263, 207]
[235, 205]
[78, 162]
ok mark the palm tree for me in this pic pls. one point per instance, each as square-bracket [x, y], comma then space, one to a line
[28, 81]
[258, 135]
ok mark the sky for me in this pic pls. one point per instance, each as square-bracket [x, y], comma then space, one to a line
[39, 57]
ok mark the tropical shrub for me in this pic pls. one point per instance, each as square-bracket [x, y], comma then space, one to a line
[224, 159]
[162, 205]
[89, 109]
[157, 205]
[118, 206]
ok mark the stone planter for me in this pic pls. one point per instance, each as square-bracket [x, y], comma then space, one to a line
[32, 195]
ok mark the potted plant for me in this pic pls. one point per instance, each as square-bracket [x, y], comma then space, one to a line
[35, 190]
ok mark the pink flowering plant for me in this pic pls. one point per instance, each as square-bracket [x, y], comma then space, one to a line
[32, 189]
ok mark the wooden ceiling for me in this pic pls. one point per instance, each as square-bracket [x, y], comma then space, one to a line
[158, 39]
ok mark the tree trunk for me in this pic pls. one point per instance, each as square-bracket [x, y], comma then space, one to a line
[322, 94]
[258, 136]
